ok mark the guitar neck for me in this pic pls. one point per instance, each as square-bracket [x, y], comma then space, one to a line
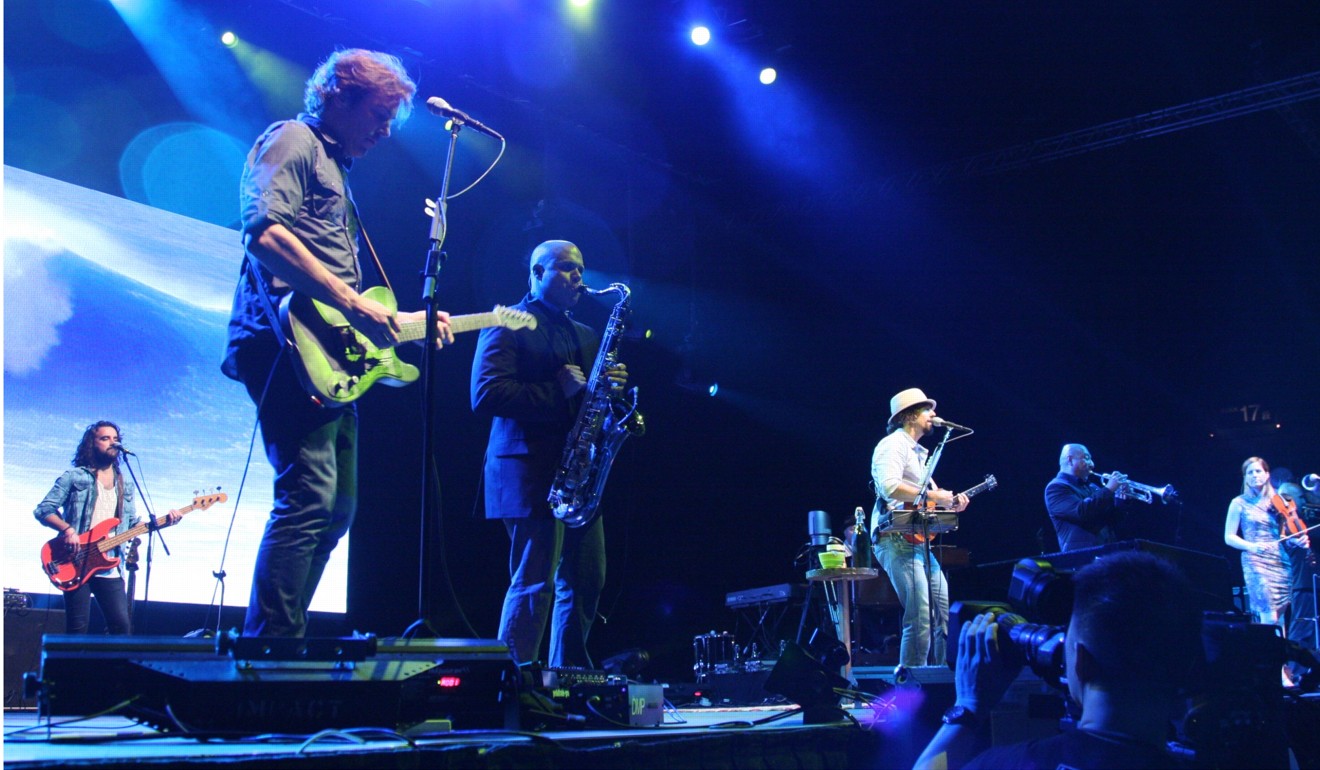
[110, 543]
[986, 485]
[416, 330]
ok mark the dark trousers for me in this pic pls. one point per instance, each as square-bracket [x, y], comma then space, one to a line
[110, 597]
[553, 569]
[314, 453]
[1302, 605]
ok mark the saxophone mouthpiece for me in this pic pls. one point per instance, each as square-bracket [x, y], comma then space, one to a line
[585, 289]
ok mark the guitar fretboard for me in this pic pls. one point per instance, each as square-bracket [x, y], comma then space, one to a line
[416, 330]
[110, 543]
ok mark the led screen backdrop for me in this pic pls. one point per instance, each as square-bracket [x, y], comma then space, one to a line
[115, 310]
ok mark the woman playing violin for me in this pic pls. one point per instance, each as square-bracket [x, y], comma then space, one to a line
[1255, 527]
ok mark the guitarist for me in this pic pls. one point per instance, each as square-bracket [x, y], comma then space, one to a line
[88, 494]
[898, 466]
[300, 231]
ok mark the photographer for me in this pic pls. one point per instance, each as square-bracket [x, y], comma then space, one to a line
[1130, 644]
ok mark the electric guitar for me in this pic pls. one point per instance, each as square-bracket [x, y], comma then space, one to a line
[941, 521]
[68, 568]
[336, 364]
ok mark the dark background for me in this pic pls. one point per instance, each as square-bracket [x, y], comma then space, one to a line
[813, 251]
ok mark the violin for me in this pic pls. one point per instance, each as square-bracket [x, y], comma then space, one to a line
[1290, 523]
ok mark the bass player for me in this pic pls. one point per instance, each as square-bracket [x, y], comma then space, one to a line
[898, 467]
[532, 383]
[82, 497]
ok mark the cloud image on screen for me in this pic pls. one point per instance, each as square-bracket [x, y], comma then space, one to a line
[114, 310]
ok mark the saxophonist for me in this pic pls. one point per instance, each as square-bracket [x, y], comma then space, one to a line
[531, 382]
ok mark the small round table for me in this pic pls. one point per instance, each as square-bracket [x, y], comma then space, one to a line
[840, 602]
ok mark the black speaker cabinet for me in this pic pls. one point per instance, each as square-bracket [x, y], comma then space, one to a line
[24, 628]
[191, 685]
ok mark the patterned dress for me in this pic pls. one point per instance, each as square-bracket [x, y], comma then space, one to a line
[1266, 574]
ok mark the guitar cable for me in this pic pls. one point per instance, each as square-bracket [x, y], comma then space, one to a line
[220, 574]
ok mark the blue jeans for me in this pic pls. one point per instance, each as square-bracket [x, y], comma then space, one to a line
[110, 597]
[552, 564]
[314, 453]
[906, 566]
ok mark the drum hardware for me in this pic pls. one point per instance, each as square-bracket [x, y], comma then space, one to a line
[715, 652]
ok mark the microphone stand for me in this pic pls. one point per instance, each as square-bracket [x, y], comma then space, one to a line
[435, 260]
[153, 530]
[919, 513]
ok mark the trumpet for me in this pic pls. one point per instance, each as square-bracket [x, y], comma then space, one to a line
[1131, 490]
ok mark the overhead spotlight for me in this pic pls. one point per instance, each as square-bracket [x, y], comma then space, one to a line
[700, 35]
[768, 75]
[579, 3]
[713, 389]
[229, 39]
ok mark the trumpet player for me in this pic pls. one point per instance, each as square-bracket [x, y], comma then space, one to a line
[1084, 511]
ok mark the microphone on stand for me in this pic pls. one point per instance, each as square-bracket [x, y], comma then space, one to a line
[440, 107]
[940, 422]
[121, 449]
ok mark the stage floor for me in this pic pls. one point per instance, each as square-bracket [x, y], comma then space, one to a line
[766, 736]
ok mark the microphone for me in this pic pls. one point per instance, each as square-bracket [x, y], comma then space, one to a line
[121, 449]
[940, 422]
[441, 107]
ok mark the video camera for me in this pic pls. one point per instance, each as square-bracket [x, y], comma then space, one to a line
[1037, 593]
[1235, 704]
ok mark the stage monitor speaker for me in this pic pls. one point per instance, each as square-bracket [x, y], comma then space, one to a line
[190, 685]
[24, 628]
[803, 680]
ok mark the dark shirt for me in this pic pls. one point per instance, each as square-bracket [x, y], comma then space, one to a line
[1074, 749]
[295, 176]
[1083, 512]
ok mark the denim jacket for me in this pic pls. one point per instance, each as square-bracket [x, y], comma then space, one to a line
[74, 498]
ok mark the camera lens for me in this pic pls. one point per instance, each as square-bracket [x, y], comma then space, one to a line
[1035, 645]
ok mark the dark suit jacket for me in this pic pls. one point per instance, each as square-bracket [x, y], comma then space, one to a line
[1083, 513]
[513, 382]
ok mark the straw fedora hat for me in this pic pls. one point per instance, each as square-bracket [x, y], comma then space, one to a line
[907, 398]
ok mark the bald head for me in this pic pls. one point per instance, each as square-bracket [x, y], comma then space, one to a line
[556, 273]
[1076, 459]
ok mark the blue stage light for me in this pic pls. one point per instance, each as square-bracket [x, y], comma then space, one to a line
[700, 35]
[229, 39]
[714, 388]
[768, 75]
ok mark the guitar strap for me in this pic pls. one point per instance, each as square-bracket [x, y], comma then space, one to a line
[272, 315]
[385, 279]
[119, 490]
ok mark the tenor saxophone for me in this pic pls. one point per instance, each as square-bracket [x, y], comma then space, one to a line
[604, 421]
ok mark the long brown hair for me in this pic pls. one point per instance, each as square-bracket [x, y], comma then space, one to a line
[84, 455]
[1266, 490]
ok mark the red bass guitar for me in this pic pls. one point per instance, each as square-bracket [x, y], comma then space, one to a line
[69, 567]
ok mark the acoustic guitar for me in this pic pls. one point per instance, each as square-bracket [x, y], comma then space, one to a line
[943, 520]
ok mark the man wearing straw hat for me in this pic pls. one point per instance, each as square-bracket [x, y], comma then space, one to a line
[898, 466]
